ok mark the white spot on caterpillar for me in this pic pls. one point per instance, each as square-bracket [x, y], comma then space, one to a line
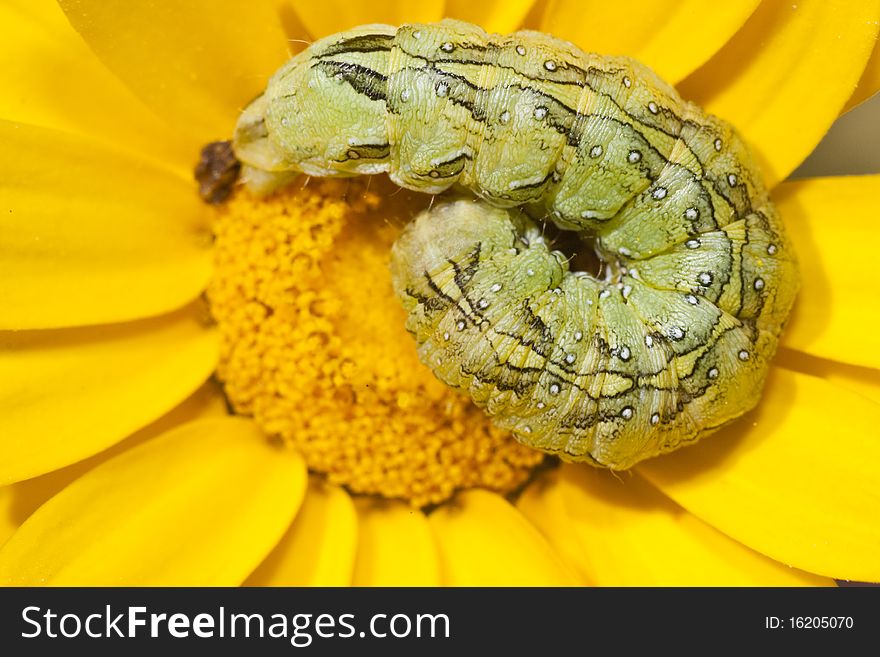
[540, 112]
[691, 214]
[447, 47]
[712, 373]
[718, 145]
[652, 107]
[626, 413]
[659, 193]
[596, 151]
[743, 354]
[759, 284]
[705, 278]
[693, 244]
[505, 117]
[655, 419]
[496, 287]
[550, 65]
[633, 157]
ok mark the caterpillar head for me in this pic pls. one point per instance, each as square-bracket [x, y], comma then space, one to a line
[264, 166]
[316, 116]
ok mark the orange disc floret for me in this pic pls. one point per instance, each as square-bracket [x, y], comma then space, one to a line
[314, 347]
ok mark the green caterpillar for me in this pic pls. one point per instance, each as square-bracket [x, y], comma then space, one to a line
[670, 344]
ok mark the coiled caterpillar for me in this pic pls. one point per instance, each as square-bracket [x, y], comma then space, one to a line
[672, 343]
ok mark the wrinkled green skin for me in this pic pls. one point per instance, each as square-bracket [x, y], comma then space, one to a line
[672, 343]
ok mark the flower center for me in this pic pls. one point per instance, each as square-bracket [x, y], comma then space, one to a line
[314, 346]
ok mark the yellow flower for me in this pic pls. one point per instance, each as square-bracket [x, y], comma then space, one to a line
[121, 465]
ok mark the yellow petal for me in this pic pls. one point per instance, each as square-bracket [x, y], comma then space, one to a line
[194, 63]
[19, 500]
[319, 548]
[796, 480]
[395, 547]
[869, 83]
[849, 149]
[63, 85]
[484, 541]
[544, 505]
[67, 394]
[199, 506]
[502, 16]
[92, 236]
[864, 381]
[295, 31]
[783, 79]
[832, 220]
[673, 37]
[620, 531]
[330, 16]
